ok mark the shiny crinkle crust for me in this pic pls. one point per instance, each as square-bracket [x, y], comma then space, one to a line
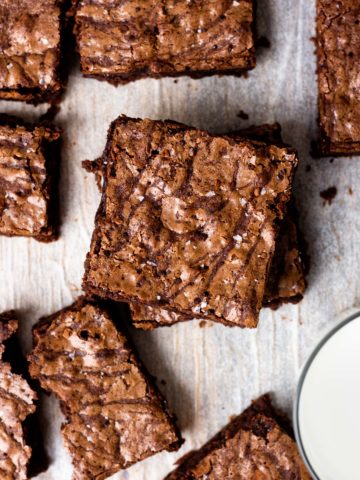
[28, 177]
[338, 56]
[30, 37]
[255, 445]
[114, 415]
[187, 220]
[122, 41]
[16, 403]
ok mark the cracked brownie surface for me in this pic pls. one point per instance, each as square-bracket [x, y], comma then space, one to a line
[16, 403]
[30, 37]
[28, 175]
[338, 56]
[114, 414]
[258, 444]
[187, 220]
[122, 41]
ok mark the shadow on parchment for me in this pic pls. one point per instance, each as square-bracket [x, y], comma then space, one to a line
[147, 346]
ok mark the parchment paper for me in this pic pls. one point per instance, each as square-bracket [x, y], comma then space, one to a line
[207, 374]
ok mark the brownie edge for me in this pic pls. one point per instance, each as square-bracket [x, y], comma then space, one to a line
[115, 416]
[256, 444]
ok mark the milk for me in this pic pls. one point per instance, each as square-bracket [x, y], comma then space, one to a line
[329, 407]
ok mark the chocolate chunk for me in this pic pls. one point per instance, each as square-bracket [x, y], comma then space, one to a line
[338, 57]
[114, 414]
[256, 444]
[30, 50]
[29, 168]
[16, 404]
[124, 41]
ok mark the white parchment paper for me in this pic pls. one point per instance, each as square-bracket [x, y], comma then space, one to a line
[207, 374]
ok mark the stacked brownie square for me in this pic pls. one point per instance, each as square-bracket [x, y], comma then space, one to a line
[188, 221]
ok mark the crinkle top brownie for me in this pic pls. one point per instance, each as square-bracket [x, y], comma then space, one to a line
[16, 403]
[30, 36]
[122, 41]
[187, 220]
[338, 54]
[258, 444]
[28, 174]
[114, 414]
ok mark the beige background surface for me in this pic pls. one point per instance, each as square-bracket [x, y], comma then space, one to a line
[210, 373]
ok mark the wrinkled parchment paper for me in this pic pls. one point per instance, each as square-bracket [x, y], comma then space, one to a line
[211, 373]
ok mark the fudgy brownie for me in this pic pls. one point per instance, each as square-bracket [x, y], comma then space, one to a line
[123, 41]
[29, 168]
[187, 220]
[285, 284]
[16, 404]
[30, 49]
[258, 444]
[338, 57]
[114, 414]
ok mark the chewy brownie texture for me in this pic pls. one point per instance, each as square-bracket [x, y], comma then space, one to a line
[29, 167]
[187, 220]
[114, 414]
[338, 56]
[30, 50]
[123, 41]
[16, 404]
[258, 444]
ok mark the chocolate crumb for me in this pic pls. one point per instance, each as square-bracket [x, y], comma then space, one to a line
[263, 42]
[243, 115]
[307, 168]
[331, 160]
[163, 382]
[328, 195]
[202, 324]
[350, 190]
[176, 81]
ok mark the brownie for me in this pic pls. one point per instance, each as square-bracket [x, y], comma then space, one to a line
[338, 58]
[258, 444]
[188, 220]
[31, 34]
[17, 402]
[124, 41]
[114, 414]
[29, 168]
[285, 284]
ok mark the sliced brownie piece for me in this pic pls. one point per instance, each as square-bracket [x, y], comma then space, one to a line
[338, 58]
[30, 50]
[123, 41]
[29, 168]
[188, 220]
[16, 404]
[114, 414]
[257, 444]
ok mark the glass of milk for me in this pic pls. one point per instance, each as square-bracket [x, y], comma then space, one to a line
[327, 405]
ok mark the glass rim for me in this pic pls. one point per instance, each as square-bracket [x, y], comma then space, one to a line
[350, 317]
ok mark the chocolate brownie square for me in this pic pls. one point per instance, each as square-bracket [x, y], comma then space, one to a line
[17, 402]
[285, 284]
[124, 41]
[115, 416]
[30, 50]
[29, 168]
[257, 444]
[188, 220]
[338, 58]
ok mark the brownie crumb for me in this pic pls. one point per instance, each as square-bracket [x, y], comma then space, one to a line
[202, 324]
[328, 195]
[307, 168]
[331, 160]
[243, 115]
[350, 190]
[263, 42]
